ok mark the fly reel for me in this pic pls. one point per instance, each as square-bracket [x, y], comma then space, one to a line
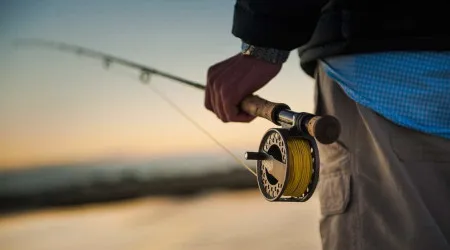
[287, 165]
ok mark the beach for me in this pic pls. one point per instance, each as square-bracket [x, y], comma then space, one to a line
[216, 220]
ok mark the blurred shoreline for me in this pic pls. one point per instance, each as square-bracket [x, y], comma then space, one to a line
[129, 188]
[109, 181]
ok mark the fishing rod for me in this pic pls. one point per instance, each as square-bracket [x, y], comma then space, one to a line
[287, 166]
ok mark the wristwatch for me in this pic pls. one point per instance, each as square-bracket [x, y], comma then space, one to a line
[274, 56]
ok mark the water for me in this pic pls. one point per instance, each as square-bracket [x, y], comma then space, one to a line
[213, 221]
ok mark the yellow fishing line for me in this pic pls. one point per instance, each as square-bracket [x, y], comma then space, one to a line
[300, 167]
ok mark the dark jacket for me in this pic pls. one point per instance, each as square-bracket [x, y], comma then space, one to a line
[324, 28]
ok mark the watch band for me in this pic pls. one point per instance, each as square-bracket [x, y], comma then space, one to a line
[274, 56]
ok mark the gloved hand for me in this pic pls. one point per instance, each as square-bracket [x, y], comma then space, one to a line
[230, 81]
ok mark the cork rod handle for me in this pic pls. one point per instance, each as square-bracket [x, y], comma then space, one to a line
[257, 106]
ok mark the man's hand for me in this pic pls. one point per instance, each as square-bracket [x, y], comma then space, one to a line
[230, 81]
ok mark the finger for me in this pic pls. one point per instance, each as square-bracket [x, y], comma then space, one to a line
[224, 79]
[230, 110]
[232, 95]
[233, 112]
[207, 100]
[213, 73]
[243, 117]
[227, 94]
[230, 103]
[217, 103]
[238, 116]
[209, 92]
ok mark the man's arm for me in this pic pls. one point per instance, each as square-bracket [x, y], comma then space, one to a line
[269, 30]
[276, 24]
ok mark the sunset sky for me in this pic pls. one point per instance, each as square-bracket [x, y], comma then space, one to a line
[59, 107]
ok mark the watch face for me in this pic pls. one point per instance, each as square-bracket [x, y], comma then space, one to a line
[247, 49]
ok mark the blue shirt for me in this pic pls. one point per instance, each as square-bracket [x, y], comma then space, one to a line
[411, 89]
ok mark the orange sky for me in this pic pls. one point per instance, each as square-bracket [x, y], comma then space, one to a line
[59, 107]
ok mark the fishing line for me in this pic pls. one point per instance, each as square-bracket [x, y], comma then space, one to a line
[300, 167]
[199, 127]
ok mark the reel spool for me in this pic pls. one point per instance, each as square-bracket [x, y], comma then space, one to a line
[287, 165]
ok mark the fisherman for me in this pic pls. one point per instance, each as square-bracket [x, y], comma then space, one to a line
[383, 69]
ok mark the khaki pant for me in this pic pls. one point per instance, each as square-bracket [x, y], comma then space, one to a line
[381, 186]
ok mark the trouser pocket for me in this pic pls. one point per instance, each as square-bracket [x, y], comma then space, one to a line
[334, 180]
[337, 224]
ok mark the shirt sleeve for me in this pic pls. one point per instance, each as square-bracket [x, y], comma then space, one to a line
[277, 24]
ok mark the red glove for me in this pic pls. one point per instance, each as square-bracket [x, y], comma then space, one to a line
[230, 81]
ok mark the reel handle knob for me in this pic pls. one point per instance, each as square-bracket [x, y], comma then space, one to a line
[255, 156]
[326, 129]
